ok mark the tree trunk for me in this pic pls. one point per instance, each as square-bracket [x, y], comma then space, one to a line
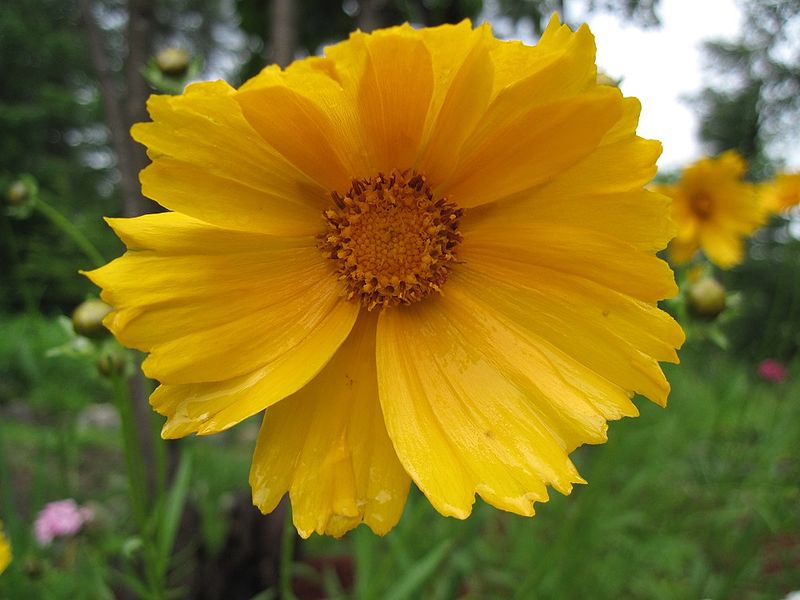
[131, 157]
[283, 32]
[371, 14]
[139, 38]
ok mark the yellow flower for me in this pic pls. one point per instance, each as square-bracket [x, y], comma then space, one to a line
[5, 550]
[713, 209]
[781, 194]
[428, 254]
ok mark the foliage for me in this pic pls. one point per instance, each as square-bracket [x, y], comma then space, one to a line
[537, 12]
[768, 325]
[51, 129]
[753, 100]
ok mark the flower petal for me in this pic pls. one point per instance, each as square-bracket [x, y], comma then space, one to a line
[392, 96]
[519, 145]
[534, 126]
[460, 421]
[204, 151]
[239, 311]
[621, 339]
[211, 407]
[723, 247]
[461, 95]
[510, 250]
[327, 446]
[304, 114]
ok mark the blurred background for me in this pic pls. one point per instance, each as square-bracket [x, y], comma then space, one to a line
[701, 500]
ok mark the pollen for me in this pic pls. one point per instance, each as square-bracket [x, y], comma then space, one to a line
[393, 239]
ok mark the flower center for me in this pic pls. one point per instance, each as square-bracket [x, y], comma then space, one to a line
[393, 239]
[702, 205]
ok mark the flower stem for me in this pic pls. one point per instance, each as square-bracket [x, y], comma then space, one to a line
[75, 234]
[154, 576]
[132, 451]
[287, 554]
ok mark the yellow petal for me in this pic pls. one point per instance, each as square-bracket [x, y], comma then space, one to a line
[327, 446]
[393, 96]
[194, 312]
[526, 134]
[207, 408]
[620, 339]
[305, 115]
[573, 400]
[245, 310]
[723, 248]
[510, 249]
[682, 251]
[622, 166]
[519, 146]
[460, 99]
[460, 422]
[639, 218]
[562, 64]
[209, 163]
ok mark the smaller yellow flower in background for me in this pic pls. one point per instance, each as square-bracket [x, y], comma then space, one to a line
[782, 193]
[5, 550]
[714, 209]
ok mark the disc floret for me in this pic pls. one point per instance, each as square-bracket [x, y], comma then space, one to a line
[394, 241]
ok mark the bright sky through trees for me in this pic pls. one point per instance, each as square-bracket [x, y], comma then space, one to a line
[660, 66]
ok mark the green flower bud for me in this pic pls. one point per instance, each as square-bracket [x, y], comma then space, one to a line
[173, 61]
[706, 297]
[17, 193]
[87, 320]
[110, 363]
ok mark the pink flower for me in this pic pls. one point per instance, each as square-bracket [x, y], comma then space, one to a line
[61, 518]
[770, 369]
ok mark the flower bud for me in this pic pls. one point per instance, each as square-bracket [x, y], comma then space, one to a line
[17, 193]
[110, 363]
[173, 61]
[706, 297]
[87, 320]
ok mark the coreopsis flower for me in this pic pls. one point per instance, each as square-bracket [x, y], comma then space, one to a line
[5, 550]
[428, 255]
[714, 209]
[63, 518]
[782, 193]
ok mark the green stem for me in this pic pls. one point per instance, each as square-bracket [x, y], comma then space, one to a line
[137, 483]
[133, 454]
[75, 234]
[287, 555]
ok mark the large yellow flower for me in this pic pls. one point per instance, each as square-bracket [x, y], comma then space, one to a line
[714, 209]
[5, 550]
[429, 255]
[781, 194]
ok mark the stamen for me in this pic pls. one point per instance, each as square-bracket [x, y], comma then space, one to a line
[394, 241]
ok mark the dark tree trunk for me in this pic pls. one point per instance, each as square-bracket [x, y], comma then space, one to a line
[131, 158]
[283, 32]
[372, 14]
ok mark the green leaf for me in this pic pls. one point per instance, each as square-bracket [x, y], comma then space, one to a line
[173, 510]
[420, 572]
